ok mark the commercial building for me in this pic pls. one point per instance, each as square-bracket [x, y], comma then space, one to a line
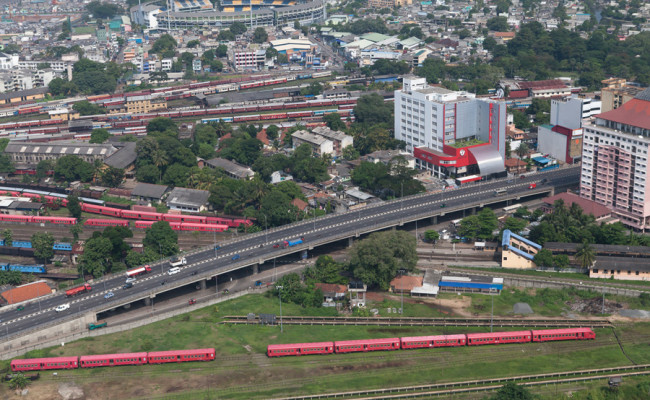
[246, 59]
[450, 133]
[29, 155]
[616, 92]
[144, 104]
[615, 161]
[562, 138]
[23, 95]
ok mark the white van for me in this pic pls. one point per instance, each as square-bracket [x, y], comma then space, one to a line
[176, 261]
[173, 271]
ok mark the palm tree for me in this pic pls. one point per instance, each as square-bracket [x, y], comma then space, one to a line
[522, 150]
[159, 159]
[585, 255]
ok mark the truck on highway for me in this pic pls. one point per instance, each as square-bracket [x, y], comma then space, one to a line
[177, 262]
[289, 243]
[132, 273]
[78, 290]
[96, 325]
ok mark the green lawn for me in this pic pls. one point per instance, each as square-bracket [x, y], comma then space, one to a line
[244, 372]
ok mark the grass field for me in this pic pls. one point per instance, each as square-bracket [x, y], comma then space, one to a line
[244, 372]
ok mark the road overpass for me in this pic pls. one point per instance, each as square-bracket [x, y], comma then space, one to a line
[256, 249]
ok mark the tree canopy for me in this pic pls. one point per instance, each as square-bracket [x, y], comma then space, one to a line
[377, 259]
[103, 10]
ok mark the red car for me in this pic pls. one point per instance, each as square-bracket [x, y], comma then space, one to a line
[275, 246]
[532, 186]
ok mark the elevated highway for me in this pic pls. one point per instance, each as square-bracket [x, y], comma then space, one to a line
[254, 250]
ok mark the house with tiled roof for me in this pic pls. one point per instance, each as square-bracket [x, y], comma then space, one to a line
[599, 211]
[25, 292]
[405, 283]
[332, 292]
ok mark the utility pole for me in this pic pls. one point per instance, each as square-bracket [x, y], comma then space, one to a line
[280, 297]
[603, 303]
[401, 199]
[266, 229]
[492, 313]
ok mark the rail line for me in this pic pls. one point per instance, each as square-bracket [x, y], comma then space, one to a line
[417, 321]
[439, 389]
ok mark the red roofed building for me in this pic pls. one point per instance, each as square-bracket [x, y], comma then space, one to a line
[545, 89]
[615, 167]
[405, 283]
[332, 292]
[515, 166]
[25, 292]
[599, 211]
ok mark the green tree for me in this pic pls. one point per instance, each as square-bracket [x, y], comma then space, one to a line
[96, 259]
[6, 165]
[498, 24]
[326, 270]
[84, 107]
[260, 35]
[99, 135]
[160, 238]
[272, 132]
[238, 28]
[283, 59]
[522, 150]
[334, 122]
[71, 167]
[62, 87]
[164, 44]
[544, 258]
[42, 243]
[8, 236]
[515, 225]
[470, 227]
[18, 382]
[74, 206]
[76, 230]
[103, 10]
[512, 391]
[561, 261]
[221, 51]
[314, 89]
[431, 235]
[162, 124]
[372, 109]
[148, 173]
[489, 223]
[585, 255]
[193, 43]
[112, 177]
[226, 36]
[377, 259]
[350, 153]
[271, 52]
[521, 120]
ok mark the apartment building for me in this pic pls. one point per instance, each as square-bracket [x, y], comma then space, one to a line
[448, 132]
[615, 161]
[319, 144]
[339, 139]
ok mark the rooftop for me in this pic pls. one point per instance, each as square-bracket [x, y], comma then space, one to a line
[231, 167]
[188, 197]
[635, 112]
[149, 190]
[26, 292]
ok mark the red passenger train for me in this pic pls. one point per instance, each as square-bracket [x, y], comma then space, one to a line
[420, 342]
[113, 360]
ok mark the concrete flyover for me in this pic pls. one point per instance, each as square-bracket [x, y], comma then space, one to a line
[256, 249]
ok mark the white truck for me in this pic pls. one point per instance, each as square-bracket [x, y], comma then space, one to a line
[177, 261]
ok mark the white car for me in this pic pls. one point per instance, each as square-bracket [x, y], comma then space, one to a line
[173, 271]
[130, 279]
[62, 307]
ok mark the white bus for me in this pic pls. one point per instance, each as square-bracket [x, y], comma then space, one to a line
[512, 208]
[500, 192]
[456, 222]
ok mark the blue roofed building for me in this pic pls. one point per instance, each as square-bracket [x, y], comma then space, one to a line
[517, 252]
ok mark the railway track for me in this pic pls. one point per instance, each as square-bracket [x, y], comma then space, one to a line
[481, 385]
[417, 321]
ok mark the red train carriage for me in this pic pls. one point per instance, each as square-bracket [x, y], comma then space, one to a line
[419, 342]
[111, 360]
[106, 222]
[16, 218]
[349, 346]
[113, 212]
[39, 364]
[141, 215]
[185, 226]
[160, 357]
[91, 208]
[55, 220]
[196, 219]
[477, 339]
[144, 224]
[297, 349]
[177, 226]
[546, 335]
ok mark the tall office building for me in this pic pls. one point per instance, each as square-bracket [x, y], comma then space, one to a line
[615, 161]
[451, 133]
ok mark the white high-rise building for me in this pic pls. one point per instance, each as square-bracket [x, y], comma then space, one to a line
[615, 164]
[451, 133]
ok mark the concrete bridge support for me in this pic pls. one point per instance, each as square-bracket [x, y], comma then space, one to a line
[204, 284]
[350, 242]
[434, 220]
[147, 301]
[256, 268]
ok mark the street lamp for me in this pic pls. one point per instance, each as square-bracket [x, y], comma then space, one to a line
[280, 297]
[314, 219]
[162, 271]
[401, 199]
